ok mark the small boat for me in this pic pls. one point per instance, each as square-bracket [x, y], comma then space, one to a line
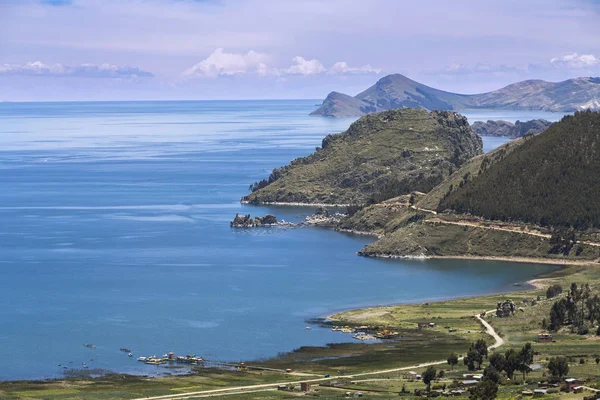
[130, 354]
[308, 328]
[142, 358]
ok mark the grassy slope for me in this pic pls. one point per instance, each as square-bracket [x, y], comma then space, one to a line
[392, 146]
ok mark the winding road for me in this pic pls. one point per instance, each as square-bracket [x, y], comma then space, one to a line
[489, 329]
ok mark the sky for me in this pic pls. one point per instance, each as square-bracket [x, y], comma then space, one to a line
[75, 50]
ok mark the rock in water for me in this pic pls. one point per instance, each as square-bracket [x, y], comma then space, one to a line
[246, 221]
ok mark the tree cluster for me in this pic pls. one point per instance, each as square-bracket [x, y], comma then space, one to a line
[551, 179]
[578, 310]
[476, 354]
[553, 291]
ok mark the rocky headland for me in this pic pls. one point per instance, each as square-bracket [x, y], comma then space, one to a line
[380, 156]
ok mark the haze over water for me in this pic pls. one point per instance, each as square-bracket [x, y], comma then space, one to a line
[115, 232]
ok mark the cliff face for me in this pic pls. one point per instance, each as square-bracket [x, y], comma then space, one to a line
[510, 130]
[397, 91]
[380, 156]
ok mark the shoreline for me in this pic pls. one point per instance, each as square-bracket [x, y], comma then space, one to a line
[535, 283]
[525, 260]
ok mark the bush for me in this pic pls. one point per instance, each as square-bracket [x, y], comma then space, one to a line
[553, 291]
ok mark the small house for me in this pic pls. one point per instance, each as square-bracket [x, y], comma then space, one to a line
[544, 338]
[540, 392]
[572, 383]
[410, 375]
[578, 389]
[470, 382]
[305, 386]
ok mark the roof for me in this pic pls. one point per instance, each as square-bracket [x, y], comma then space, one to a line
[535, 367]
[571, 380]
[470, 382]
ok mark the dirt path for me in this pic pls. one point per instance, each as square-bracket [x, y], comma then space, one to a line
[502, 228]
[498, 341]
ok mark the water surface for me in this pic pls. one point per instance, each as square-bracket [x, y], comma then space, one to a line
[115, 232]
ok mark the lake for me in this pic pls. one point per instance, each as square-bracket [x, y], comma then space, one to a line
[115, 232]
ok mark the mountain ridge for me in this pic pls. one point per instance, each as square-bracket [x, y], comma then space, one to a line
[398, 91]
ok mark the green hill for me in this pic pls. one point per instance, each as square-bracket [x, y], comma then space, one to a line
[552, 179]
[380, 156]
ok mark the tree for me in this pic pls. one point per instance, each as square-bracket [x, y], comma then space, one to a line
[558, 313]
[441, 374]
[525, 358]
[452, 360]
[558, 367]
[473, 357]
[497, 361]
[490, 372]
[482, 348]
[428, 377]
[512, 362]
[485, 390]
[553, 291]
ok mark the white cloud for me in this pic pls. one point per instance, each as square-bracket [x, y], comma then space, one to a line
[38, 68]
[575, 61]
[342, 68]
[220, 63]
[305, 67]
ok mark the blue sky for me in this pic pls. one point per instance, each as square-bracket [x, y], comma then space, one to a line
[237, 49]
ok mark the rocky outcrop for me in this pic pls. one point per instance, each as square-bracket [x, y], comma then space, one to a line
[321, 217]
[510, 130]
[397, 91]
[380, 156]
[246, 221]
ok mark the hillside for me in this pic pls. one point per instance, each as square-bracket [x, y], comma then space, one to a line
[380, 156]
[397, 91]
[552, 179]
[510, 130]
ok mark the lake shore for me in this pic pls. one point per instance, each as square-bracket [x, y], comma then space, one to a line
[526, 260]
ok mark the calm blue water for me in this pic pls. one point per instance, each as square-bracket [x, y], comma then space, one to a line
[114, 230]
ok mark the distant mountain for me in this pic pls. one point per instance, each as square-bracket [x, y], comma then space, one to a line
[510, 130]
[552, 179]
[380, 156]
[398, 91]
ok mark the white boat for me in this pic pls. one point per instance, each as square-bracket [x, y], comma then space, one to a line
[142, 358]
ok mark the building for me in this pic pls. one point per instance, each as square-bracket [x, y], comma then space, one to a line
[572, 383]
[410, 375]
[471, 382]
[305, 386]
[544, 338]
[426, 325]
